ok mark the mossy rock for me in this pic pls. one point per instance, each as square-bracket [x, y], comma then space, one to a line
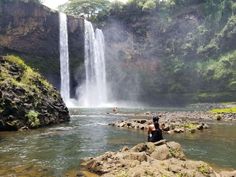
[27, 99]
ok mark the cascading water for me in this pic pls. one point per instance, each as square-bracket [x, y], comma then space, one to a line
[94, 92]
[64, 58]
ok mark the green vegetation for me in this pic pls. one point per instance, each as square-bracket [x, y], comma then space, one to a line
[191, 43]
[205, 170]
[190, 126]
[182, 50]
[26, 78]
[33, 118]
[88, 8]
[224, 110]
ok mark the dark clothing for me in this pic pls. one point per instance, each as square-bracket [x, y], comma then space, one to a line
[156, 136]
[155, 119]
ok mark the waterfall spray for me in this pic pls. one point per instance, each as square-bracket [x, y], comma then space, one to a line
[94, 91]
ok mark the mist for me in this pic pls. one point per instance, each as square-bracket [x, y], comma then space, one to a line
[123, 79]
[139, 63]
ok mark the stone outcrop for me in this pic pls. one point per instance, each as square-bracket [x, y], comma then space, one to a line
[170, 122]
[26, 99]
[31, 31]
[149, 159]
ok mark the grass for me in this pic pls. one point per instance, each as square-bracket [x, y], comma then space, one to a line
[28, 75]
[224, 110]
[17, 60]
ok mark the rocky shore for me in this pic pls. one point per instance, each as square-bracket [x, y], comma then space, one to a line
[149, 159]
[26, 99]
[175, 122]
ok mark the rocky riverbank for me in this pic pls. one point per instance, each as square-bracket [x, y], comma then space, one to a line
[175, 122]
[26, 99]
[149, 159]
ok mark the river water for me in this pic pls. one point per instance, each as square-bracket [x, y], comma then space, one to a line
[56, 151]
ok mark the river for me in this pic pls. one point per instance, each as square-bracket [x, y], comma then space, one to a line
[57, 150]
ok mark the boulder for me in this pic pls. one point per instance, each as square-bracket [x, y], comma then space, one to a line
[161, 153]
[146, 159]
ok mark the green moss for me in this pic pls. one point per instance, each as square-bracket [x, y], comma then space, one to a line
[204, 169]
[17, 60]
[224, 110]
[29, 79]
[33, 118]
[190, 126]
[174, 152]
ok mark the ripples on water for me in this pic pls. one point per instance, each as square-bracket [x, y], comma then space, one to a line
[53, 151]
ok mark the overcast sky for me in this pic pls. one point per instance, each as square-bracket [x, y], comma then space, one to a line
[54, 3]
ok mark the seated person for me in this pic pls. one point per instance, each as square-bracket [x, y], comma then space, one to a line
[154, 131]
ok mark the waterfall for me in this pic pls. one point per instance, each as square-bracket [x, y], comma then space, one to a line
[64, 58]
[94, 91]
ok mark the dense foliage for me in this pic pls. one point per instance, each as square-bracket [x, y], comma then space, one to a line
[88, 8]
[172, 50]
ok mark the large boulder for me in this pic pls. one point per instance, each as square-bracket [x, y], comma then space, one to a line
[27, 100]
[149, 159]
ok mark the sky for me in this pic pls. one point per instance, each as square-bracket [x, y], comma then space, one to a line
[54, 3]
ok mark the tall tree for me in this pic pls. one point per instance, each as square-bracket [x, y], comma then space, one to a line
[88, 8]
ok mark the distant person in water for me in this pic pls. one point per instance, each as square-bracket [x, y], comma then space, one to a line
[154, 131]
[115, 109]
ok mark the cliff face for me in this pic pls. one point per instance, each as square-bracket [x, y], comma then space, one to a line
[171, 55]
[31, 30]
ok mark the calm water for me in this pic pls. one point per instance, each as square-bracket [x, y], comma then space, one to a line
[56, 150]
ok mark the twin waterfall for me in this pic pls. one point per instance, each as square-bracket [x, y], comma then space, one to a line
[64, 58]
[93, 92]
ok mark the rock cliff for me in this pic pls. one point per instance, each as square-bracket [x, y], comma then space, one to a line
[31, 30]
[161, 56]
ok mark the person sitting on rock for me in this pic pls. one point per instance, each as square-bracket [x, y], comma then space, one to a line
[154, 131]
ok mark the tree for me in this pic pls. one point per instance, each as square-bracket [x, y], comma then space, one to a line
[117, 6]
[144, 4]
[88, 8]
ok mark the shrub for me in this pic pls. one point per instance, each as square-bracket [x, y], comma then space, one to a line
[33, 118]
